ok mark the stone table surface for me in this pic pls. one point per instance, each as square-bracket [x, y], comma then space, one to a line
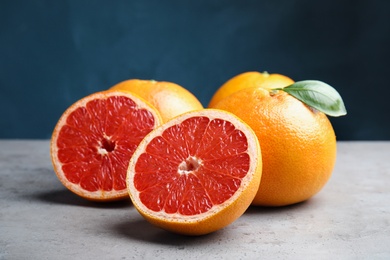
[348, 219]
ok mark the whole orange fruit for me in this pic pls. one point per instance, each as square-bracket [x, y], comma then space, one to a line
[298, 144]
[169, 98]
[248, 80]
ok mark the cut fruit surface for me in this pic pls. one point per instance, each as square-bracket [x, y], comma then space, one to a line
[94, 139]
[196, 173]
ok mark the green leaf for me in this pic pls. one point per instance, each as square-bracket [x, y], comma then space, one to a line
[318, 95]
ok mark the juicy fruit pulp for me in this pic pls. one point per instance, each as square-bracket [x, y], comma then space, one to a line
[94, 140]
[195, 178]
[193, 168]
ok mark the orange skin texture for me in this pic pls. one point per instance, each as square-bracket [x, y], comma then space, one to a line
[298, 144]
[170, 99]
[249, 80]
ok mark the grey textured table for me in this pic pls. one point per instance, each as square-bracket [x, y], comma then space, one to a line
[348, 219]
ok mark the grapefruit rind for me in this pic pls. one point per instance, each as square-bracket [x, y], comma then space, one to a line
[219, 215]
[169, 98]
[99, 195]
[298, 144]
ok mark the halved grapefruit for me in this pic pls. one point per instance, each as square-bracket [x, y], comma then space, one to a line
[197, 173]
[94, 139]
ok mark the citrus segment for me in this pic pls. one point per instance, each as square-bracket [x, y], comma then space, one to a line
[94, 139]
[196, 173]
[169, 98]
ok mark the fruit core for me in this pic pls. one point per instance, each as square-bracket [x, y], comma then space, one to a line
[107, 146]
[189, 165]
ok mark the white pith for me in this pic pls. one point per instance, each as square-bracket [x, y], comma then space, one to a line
[193, 161]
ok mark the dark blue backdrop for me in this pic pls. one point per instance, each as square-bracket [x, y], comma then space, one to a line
[54, 52]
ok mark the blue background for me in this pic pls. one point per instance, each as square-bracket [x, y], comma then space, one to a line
[54, 52]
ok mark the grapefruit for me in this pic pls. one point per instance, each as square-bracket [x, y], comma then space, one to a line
[298, 144]
[197, 173]
[169, 98]
[250, 79]
[94, 139]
